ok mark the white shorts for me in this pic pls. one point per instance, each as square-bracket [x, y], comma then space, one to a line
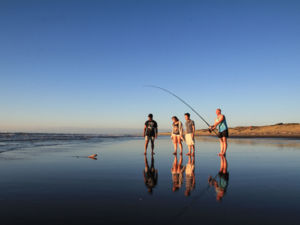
[176, 138]
[189, 140]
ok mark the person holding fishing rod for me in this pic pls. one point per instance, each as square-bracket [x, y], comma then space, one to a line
[223, 131]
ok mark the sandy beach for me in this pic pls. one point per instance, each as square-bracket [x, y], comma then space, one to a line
[289, 130]
[54, 182]
[91, 92]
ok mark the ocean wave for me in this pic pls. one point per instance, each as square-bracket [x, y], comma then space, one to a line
[15, 141]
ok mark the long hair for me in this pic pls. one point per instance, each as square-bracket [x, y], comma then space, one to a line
[175, 117]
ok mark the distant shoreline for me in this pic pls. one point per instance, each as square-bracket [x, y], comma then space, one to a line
[281, 130]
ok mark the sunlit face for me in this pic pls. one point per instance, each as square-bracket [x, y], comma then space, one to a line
[186, 117]
[149, 118]
[173, 119]
[218, 112]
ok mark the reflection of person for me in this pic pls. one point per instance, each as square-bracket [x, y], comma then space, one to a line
[150, 132]
[223, 131]
[221, 183]
[150, 174]
[177, 134]
[190, 176]
[177, 173]
[190, 133]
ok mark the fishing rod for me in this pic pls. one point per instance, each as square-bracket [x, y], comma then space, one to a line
[184, 102]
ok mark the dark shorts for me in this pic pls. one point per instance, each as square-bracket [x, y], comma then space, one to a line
[223, 134]
[224, 175]
[150, 138]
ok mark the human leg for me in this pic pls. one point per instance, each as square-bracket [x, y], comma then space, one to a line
[224, 145]
[152, 144]
[180, 144]
[175, 144]
[146, 144]
[221, 146]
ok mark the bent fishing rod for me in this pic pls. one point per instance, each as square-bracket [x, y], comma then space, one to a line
[184, 102]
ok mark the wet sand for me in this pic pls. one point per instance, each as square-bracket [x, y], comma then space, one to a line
[60, 185]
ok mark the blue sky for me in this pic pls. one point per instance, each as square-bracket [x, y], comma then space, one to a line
[81, 65]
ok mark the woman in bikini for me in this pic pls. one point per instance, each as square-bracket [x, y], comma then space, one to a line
[177, 134]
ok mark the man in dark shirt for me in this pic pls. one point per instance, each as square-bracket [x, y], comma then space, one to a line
[150, 132]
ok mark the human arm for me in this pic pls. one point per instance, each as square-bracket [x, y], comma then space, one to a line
[220, 119]
[145, 127]
[194, 129]
[180, 129]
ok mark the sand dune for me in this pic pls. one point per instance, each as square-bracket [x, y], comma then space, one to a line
[288, 130]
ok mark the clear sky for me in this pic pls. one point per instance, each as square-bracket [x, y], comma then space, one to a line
[81, 65]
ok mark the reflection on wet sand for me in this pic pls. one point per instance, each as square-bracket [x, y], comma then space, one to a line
[271, 142]
[150, 174]
[220, 181]
[190, 175]
[177, 173]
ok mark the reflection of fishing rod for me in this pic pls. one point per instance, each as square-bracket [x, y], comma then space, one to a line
[184, 102]
[194, 200]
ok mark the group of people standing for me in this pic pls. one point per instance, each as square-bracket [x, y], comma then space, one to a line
[178, 135]
[187, 135]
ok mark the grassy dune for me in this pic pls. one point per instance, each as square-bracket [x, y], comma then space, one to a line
[288, 130]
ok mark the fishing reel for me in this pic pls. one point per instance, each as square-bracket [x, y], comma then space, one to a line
[210, 129]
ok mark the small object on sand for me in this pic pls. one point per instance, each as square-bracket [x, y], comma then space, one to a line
[94, 156]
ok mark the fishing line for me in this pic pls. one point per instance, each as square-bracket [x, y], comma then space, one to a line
[184, 102]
